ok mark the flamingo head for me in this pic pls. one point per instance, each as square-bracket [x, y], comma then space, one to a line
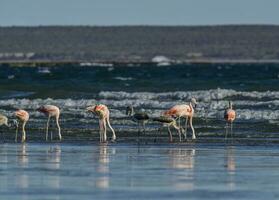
[194, 102]
[91, 108]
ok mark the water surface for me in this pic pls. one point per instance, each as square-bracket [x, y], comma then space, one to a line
[124, 171]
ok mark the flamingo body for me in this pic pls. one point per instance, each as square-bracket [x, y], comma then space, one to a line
[51, 111]
[229, 116]
[23, 117]
[103, 113]
[180, 111]
[184, 111]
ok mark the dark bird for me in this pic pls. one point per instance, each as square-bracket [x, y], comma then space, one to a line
[168, 121]
[139, 117]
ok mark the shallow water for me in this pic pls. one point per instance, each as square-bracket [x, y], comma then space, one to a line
[125, 171]
[149, 168]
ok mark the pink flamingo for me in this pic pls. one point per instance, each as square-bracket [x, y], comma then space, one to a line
[229, 116]
[184, 111]
[51, 111]
[102, 112]
[23, 117]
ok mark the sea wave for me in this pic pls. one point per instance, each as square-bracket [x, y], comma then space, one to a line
[252, 105]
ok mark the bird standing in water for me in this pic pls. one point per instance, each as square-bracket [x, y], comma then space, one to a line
[51, 111]
[229, 116]
[102, 112]
[3, 120]
[139, 117]
[169, 122]
[184, 111]
[23, 117]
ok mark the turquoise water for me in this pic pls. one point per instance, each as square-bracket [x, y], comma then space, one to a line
[123, 171]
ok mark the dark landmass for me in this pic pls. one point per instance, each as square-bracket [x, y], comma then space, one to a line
[139, 44]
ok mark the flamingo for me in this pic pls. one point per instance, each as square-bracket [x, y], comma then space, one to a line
[185, 111]
[168, 121]
[23, 117]
[140, 117]
[4, 120]
[51, 111]
[229, 116]
[102, 112]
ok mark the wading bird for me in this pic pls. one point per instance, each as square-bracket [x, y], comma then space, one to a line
[229, 116]
[102, 112]
[51, 111]
[168, 121]
[184, 111]
[139, 117]
[3, 121]
[23, 117]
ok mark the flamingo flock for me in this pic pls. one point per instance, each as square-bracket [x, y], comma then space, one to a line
[170, 118]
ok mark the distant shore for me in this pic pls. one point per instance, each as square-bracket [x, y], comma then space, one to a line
[128, 45]
[48, 63]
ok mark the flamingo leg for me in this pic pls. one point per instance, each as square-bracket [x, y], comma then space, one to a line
[170, 135]
[226, 134]
[113, 132]
[23, 138]
[59, 129]
[186, 124]
[193, 130]
[16, 133]
[179, 122]
[231, 130]
[105, 130]
[51, 130]
[47, 127]
[178, 129]
[101, 130]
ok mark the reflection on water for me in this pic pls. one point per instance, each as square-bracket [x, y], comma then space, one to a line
[103, 167]
[22, 179]
[231, 166]
[53, 162]
[57, 171]
[183, 159]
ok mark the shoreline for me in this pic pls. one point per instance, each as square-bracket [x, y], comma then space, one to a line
[130, 63]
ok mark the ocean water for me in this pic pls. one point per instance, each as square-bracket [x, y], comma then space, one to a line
[244, 167]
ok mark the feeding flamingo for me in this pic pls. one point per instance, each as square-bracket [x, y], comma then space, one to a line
[168, 121]
[51, 111]
[4, 120]
[23, 117]
[184, 111]
[229, 116]
[102, 112]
